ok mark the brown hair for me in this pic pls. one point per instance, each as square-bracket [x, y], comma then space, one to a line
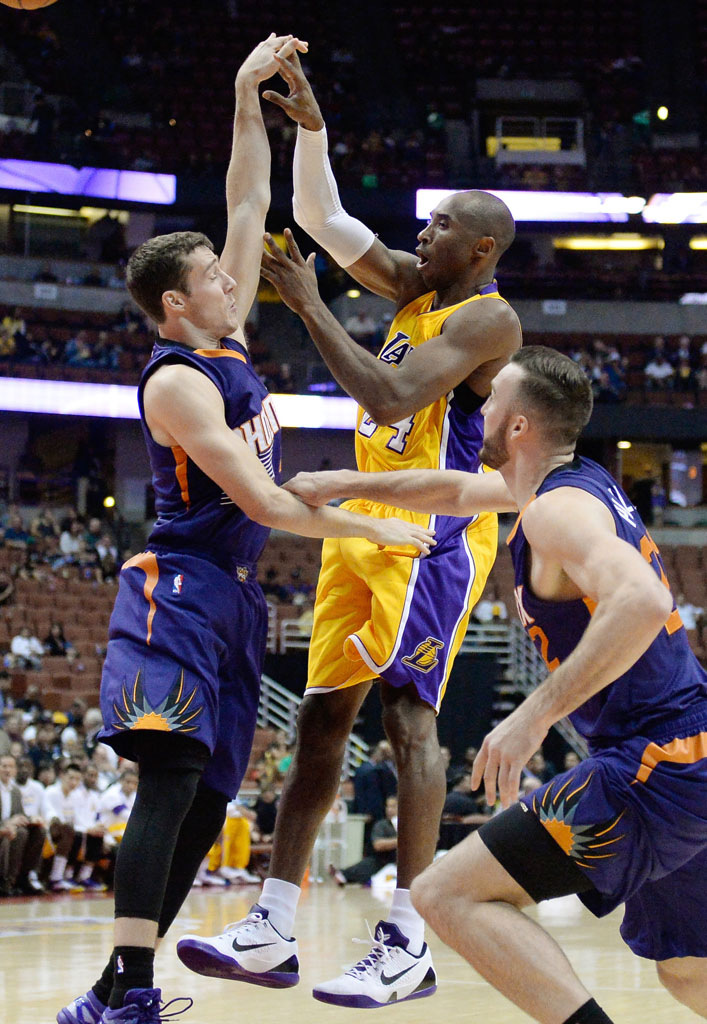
[159, 264]
[557, 388]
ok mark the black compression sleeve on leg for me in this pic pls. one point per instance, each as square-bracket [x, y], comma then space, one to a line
[589, 1013]
[169, 775]
[198, 833]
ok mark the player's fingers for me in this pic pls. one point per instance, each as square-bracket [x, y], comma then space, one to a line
[490, 776]
[290, 46]
[506, 792]
[292, 247]
[477, 771]
[276, 254]
[277, 98]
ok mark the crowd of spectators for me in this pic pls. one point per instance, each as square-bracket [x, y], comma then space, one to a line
[124, 343]
[49, 545]
[64, 799]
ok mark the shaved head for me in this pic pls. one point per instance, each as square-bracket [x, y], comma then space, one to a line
[485, 214]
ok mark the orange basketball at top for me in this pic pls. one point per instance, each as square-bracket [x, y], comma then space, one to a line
[27, 5]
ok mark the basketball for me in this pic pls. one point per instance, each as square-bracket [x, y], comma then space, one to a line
[27, 5]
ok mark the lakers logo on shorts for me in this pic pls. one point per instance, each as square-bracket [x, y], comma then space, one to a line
[583, 843]
[175, 713]
[424, 657]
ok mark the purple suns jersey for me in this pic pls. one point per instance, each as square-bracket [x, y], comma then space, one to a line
[193, 512]
[666, 682]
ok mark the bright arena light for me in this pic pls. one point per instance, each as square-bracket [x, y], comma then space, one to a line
[589, 207]
[119, 401]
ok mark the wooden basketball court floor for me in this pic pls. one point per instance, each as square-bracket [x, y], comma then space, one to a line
[53, 948]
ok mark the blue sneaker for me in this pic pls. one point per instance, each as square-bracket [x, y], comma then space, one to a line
[144, 1006]
[84, 1010]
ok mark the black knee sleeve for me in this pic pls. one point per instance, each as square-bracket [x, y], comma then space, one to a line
[198, 833]
[170, 769]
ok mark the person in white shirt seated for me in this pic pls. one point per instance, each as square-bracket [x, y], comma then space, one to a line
[116, 804]
[62, 808]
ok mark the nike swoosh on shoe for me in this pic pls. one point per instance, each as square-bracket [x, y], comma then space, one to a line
[386, 980]
[244, 949]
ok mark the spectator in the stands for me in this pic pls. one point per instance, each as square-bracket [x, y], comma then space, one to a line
[26, 650]
[45, 748]
[70, 542]
[93, 532]
[462, 813]
[265, 808]
[384, 843]
[44, 525]
[15, 535]
[491, 609]
[374, 781]
[56, 645]
[21, 840]
[62, 807]
[108, 557]
[116, 804]
[77, 351]
[685, 382]
[659, 374]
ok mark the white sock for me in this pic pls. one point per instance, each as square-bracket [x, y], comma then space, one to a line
[58, 869]
[280, 900]
[85, 872]
[403, 914]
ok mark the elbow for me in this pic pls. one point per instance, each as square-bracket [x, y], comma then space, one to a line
[388, 409]
[656, 604]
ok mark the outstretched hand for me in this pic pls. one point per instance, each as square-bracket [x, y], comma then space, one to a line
[292, 275]
[299, 104]
[264, 60]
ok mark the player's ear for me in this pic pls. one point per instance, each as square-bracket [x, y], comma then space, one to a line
[173, 301]
[519, 426]
[485, 246]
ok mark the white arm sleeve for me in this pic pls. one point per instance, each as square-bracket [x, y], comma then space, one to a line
[316, 204]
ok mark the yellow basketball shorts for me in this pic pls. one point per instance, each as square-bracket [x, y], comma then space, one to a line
[382, 613]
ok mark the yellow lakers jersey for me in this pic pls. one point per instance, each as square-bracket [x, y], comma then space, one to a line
[440, 436]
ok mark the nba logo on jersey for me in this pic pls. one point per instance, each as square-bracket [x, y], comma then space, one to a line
[177, 583]
[119, 965]
[424, 657]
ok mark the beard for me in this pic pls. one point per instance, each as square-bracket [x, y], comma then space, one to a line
[494, 451]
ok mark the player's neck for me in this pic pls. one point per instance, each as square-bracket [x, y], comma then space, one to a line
[186, 333]
[525, 473]
[460, 291]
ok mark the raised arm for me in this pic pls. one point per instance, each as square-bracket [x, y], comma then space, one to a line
[317, 207]
[478, 334]
[248, 175]
[572, 533]
[446, 492]
[183, 407]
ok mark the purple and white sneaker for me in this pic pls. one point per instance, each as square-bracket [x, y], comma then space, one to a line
[144, 1006]
[86, 1009]
[250, 950]
[389, 974]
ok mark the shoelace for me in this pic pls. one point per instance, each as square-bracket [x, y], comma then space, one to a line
[162, 1016]
[379, 953]
[249, 921]
[175, 1013]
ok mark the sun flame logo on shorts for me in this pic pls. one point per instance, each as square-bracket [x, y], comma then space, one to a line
[176, 713]
[424, 658]
[583, 843]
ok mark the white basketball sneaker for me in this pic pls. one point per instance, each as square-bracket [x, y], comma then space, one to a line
[389, 974]
[250, 950]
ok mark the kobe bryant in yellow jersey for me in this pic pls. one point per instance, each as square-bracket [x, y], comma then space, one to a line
[382, 613]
